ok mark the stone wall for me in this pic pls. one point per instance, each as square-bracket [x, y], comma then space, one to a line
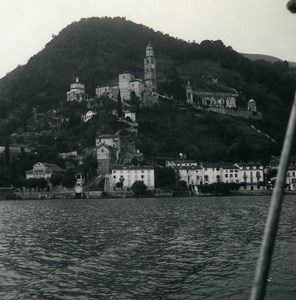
[238, 112]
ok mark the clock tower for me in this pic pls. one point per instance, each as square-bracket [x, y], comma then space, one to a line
[150, 68]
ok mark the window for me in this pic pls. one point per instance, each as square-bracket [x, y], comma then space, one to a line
[235, 175]
[226, 175]
[114, 177]
[206, 177]
[142, 176]
[231, 175]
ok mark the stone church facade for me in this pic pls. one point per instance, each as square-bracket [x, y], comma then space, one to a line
[145, 90]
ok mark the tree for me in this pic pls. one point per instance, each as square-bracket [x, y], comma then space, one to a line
[119, 106]
[193, 152]
[42, 183]
[55, 179]
[139, 188]
[32, 183]
[69, 179]
[7, 154]
[165, 176]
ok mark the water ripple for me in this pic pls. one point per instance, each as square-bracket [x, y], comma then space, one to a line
[203, 248]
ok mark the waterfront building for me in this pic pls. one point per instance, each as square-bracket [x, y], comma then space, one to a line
[192, 175]
[44, 170]
[291, 178]
[250, 174]
[127, 175]
[220, 172]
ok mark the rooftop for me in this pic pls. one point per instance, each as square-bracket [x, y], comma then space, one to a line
[138, 167]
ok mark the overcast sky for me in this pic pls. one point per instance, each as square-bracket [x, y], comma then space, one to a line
[251, 26]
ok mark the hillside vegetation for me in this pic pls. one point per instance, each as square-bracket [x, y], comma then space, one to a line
[98, 49]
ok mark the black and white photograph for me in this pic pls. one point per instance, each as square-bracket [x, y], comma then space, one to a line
[147, 149]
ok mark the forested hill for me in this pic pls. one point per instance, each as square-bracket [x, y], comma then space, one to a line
[98, 49]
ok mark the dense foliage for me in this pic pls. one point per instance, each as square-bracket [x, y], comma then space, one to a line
[97, 50]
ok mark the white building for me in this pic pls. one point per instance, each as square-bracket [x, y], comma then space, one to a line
[192, 175]
[77, 92]
[180, 163]
[130, 174]
[220, 172]
[252, 105]
[88, 116]
[131, 115]
[110, 90]
[111, 140]
[251, 174]
[128, 84]
[145, 89]
[230, 173]
[291, 178]
[44, 170]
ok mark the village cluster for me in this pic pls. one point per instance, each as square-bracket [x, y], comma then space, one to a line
[120, 164]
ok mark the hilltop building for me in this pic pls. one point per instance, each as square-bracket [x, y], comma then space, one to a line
[221, 99]
[252, 105]
[77, 92]
[219, 96]
[129, 86]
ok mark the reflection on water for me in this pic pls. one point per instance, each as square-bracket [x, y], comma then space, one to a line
[201, 248]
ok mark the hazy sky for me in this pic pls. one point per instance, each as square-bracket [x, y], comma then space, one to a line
[252, 26]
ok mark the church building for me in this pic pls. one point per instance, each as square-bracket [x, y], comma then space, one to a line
[145, 90]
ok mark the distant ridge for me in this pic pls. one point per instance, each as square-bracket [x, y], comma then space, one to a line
[265, 57]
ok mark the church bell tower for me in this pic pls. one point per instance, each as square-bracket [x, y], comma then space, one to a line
[150, 68]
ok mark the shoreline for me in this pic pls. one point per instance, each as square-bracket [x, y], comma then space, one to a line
[71, 196]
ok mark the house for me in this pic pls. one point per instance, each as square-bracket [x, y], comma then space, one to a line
[220, 172]
[127, 175]
[250, 174]
[44, 170]
[106, 156]
[111, 140]
[192, 175]
[291, 178]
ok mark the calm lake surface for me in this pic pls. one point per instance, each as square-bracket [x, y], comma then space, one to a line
[186, 248]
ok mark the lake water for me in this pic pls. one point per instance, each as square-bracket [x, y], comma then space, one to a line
[186, 248]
